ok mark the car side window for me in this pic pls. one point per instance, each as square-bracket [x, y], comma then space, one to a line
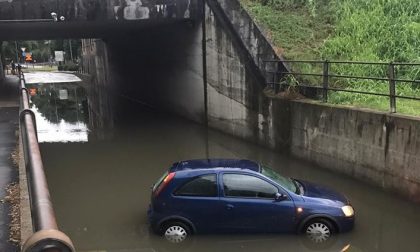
[203, 186]
[246, 186]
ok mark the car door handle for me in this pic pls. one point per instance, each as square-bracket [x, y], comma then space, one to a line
[229, 207]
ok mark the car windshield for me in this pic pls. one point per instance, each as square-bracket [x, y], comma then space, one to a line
[287, 183]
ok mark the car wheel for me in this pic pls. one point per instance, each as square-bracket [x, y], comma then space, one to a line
[176, 232]
[319, 231]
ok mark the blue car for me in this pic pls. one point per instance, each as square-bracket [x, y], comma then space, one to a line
[242, 196]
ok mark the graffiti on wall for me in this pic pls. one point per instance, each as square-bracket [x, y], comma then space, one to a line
[145, 9]
[92, 10]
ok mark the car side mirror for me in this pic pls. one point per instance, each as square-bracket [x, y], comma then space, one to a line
[280, 197]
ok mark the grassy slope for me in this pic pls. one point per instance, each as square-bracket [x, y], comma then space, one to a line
[294, 30]
[362, 30]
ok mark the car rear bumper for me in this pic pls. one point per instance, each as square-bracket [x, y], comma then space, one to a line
[154, 219]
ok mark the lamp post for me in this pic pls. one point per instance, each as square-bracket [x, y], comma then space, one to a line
[71, 51]
[17, 52]
[54, 16]
[23, 55]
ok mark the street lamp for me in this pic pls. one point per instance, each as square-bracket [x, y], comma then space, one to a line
[54, 16]
[17, 52]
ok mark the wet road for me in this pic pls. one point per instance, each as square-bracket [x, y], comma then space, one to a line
[9, 123]
[101, 190]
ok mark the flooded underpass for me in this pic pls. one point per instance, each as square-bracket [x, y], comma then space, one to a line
[100, 186]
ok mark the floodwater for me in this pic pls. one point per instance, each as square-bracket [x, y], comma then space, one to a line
[101, 190]
[59, 107]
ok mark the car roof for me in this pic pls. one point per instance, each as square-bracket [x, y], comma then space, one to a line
[215, 163]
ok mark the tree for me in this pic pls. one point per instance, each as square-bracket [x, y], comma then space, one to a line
[42, 50]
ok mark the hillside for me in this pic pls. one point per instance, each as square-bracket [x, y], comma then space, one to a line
[349, 30]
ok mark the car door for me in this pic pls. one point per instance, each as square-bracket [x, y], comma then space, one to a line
[249, 205]
[198, 201]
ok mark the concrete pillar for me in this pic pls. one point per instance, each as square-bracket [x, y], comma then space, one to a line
[1, 72]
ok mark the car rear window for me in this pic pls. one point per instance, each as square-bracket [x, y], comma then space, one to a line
[202, 186]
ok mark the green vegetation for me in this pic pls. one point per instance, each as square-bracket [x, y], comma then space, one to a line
[69, 66]
[67, 109]
[296, 27]
[42, 50]
[348, 30]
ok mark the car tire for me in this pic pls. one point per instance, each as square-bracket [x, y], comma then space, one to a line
[176, 232]
[318, 232]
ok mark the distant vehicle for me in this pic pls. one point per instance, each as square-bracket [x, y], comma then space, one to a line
[242, 196]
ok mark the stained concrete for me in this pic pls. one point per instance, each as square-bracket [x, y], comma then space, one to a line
[380, 148]
[228, 91]
[235, 77]
[95, 63]
[9, 119]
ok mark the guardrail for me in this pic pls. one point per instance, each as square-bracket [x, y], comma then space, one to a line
[47, 236]
[277, 76]
[27, 20]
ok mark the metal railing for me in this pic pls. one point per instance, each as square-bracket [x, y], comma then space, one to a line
[47, 236]
[27, 20]
[275, 76]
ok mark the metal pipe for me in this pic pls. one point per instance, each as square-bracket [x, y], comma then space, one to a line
[345, 62]
[296, 73]
[46, 234]
[350, 91]
[392, 91]
[325, 80]
[44, 216]
[26, 20]
[348, 77]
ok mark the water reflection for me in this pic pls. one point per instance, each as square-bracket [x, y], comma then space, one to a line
[101, 191]
[252, 243]
[61, 111]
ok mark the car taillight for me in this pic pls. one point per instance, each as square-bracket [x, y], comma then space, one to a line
[164, 183]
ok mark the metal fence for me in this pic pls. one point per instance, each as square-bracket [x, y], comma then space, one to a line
[47, 236]
[275, 75]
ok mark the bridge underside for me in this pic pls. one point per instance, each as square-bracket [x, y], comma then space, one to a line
[63, 30]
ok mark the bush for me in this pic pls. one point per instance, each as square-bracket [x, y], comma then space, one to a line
[70, 66]
[377, 31]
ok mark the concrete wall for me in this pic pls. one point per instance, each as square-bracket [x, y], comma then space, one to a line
[380, 148]
[235, 52]
[2, 67]
[251, 37]
[163, 67]
[95, 62]
[2, 72]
